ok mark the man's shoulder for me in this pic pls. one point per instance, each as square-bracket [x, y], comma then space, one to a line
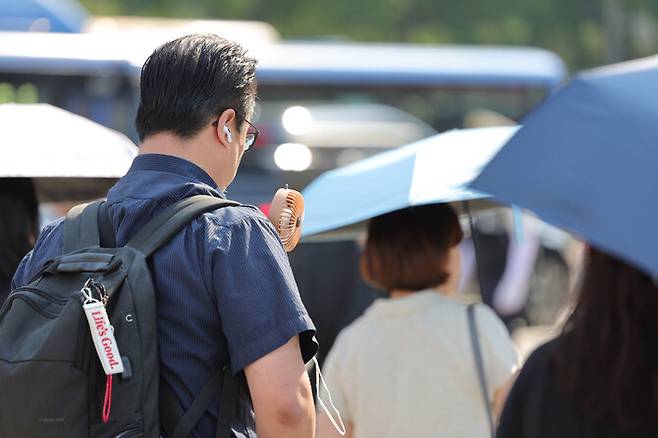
[50, 238]
[236, 216]
[52, 227]
[242, 225]
[47, 246]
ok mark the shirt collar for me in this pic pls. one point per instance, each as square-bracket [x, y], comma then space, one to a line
[405, 305]
[174, 165]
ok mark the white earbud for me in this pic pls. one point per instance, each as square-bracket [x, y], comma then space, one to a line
[227, 132]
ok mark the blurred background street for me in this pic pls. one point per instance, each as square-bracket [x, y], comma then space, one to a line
[339, 82]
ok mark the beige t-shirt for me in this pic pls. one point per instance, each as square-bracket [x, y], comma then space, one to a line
[406, 368]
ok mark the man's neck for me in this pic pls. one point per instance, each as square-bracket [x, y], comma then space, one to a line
[168, 144]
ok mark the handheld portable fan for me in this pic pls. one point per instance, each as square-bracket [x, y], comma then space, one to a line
[287, 214]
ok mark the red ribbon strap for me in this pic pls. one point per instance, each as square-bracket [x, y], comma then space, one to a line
[107, 402]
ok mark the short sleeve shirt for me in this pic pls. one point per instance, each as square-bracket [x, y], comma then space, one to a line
[224, 287]
[406, 369]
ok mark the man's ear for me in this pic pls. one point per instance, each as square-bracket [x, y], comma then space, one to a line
[225, 129]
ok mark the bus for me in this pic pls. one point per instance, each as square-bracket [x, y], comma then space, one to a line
[438, 84]
[354, 87]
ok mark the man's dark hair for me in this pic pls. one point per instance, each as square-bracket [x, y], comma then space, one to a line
[19, 226]
[187, 82]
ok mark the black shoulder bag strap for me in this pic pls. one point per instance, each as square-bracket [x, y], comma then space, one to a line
[175, 422]
[477, 354]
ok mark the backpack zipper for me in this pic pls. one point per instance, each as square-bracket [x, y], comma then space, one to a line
[134, 431]
[24, 295]
[44, 295]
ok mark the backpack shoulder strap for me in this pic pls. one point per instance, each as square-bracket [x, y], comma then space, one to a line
[179, 424]
[88, 225]
[106, 231]
[81, 227]
[166, 224]
[479, 363]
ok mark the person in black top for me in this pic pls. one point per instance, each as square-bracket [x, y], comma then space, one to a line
[600, 377]
[19, 226]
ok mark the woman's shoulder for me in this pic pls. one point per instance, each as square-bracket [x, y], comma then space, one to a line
[489, 324]
[541, 356]
[356, 329]
[349, 343]
[538, 364]
[486, 314]
[380, 314]
[526, 401]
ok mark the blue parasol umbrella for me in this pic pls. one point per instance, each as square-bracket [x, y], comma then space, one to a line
[434, 170]
[587, 161]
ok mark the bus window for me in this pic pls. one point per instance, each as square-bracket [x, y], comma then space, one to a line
[24, 93]
[27, 93]
[437, 84]
[108, 100]
[440, 107]
[7, 93]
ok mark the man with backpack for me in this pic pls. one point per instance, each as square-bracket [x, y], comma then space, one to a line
[232, 333]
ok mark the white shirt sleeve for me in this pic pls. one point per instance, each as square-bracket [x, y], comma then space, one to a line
[499, 354]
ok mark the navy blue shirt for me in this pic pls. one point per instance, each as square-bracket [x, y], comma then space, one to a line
[224, 285]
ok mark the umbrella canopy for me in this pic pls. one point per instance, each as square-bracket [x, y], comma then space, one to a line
[586, 160]
[434, 170]
[69, 156]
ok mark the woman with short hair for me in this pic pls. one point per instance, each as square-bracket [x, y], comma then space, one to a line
[406, 367]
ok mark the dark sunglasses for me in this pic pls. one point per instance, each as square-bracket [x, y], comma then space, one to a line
[252, 134]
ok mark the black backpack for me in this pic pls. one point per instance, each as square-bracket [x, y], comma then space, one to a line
[52, 383]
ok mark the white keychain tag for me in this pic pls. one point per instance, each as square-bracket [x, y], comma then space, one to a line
[102, 334]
